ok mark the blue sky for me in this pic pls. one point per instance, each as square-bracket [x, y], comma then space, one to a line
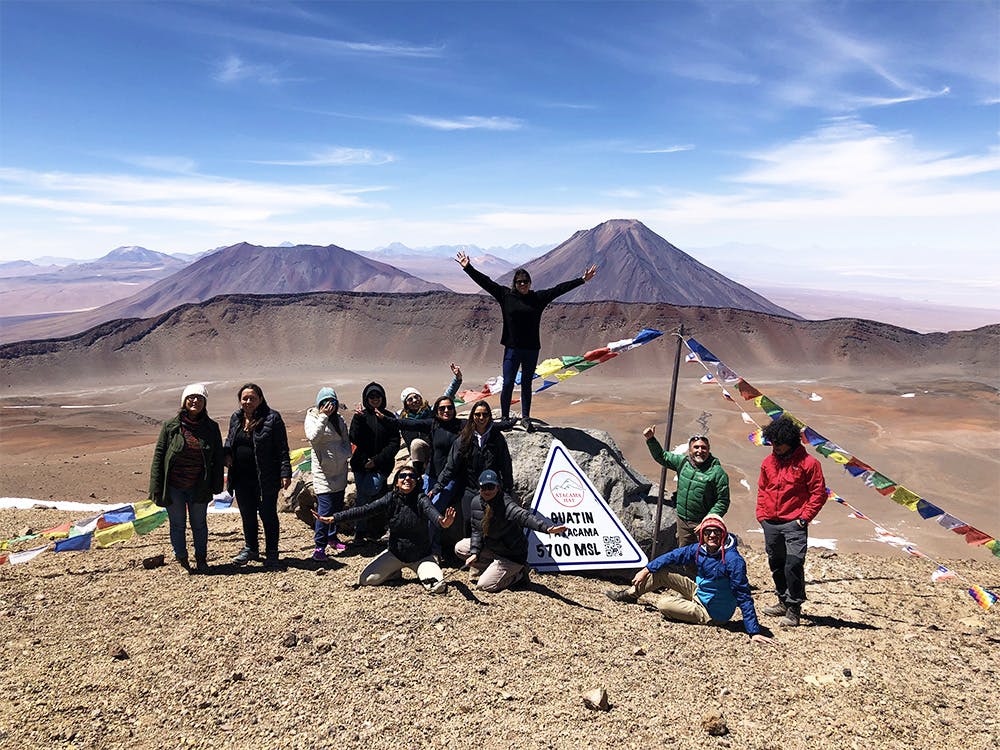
[835, 140]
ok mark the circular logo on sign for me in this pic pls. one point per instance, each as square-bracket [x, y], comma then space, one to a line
[566, 489]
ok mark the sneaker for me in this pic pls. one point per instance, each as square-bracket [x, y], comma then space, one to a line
[338, 547]
[791, 618]
[319, 554]
[527, 424]
[505, 423]
[626, 596]
[246, 555]
[271, 561]
[201, 565]
[775, 610]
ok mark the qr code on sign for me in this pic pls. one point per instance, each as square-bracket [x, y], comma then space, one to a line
[612, 546]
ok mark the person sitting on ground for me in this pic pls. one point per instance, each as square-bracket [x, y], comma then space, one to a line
[479, 447]
[375, 435]
[326, 432]
[720, 587]
[497, 551]
[409, 510]
[702, 483]
[441, 430]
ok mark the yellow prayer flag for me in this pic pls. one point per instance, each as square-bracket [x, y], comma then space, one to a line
[840, 458]
[549, 366]
[120, 532]
[145, 508]
[904, 497]
[560, 376]
[296, 455]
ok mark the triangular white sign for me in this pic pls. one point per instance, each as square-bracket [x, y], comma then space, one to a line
[594, 540]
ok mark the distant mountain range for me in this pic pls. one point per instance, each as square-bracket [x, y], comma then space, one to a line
[637, 265]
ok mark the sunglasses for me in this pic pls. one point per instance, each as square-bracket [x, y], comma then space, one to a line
[480, 415]
[406, 476]
[489, 486]
[444, 409]
[713, 532]
[522, 282]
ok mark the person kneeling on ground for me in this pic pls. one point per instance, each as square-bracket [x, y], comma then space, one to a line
[498, 547]
[409, 511]
[720, 587]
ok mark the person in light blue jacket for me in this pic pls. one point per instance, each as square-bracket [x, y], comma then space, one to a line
[720, 586]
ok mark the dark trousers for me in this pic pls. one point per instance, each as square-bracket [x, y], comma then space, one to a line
[327, 503]
[252, 502]
[513, 359]
[786, 544]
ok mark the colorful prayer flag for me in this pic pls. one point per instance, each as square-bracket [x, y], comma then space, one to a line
[903, 496]
[703, 354]
[120, 532]
[707, 377]
[119, 515]
[16, 558]
[75, 543]
[147, 523]
[941, 573]
[982, 597]
[747, 391]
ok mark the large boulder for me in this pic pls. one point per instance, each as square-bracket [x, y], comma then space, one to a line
[627, 491]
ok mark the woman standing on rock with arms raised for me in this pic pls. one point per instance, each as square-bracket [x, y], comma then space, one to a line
[409, 511]
[522, 315]
[186, 472]
[257, 457]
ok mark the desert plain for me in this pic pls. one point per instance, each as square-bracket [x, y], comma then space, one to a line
[101, 652]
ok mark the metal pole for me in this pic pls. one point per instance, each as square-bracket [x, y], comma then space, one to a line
[666, 440]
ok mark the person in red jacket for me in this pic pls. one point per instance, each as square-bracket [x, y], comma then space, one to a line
[790, 492]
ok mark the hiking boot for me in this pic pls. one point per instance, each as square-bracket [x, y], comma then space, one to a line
[775, 610]
[625, 596]
[319, 555]
[271, 561]
[527, 424]
[505, 423]
[184, 563]
[245, 555]
[201, 565]
[791, 618]
[338, 547]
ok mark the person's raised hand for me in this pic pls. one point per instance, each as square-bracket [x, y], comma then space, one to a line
[462, 258]
[557, 530]
[590, 273]
[649, 432]
[448, 518]
[456, 371]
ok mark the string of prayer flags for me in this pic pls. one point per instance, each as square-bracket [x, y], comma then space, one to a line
[555, 370]
[301, 459]
[827, 448]
[102, 530]
[941, 572]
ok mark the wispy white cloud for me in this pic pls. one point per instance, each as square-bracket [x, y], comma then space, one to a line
[665, 149]
[200, 199]
[714, 72]
[320, 45]
[471, 122]
[234, 69]
[336, 156]
[173, 164]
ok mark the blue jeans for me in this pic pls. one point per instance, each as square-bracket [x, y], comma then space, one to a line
[327, 503]
[441, 501]
[513, 359]
[252, 502]
[181, 506]
[369, 485]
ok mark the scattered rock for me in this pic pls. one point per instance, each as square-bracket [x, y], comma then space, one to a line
[640, 651]
[156, 561]
[714, 723]
[847, 672]
[597, 699]
[237, 677]
[93, 495]
[290, 641]
[118, 653]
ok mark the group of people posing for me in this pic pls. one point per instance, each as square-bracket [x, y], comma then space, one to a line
[452, 500]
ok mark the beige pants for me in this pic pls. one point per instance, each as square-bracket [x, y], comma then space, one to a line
[387, 566]
[681, 602]
[495, 573]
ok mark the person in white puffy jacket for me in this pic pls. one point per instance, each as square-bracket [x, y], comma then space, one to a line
[331, 453]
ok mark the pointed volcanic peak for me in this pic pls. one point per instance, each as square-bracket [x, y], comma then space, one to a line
[637, 265]
[251, 269]
[131, 258]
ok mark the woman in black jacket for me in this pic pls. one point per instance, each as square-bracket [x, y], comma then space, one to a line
[480, 446]
[522, 315]
[186, 472]
[498, 548]
[374, 433]
[409, 511]
[257, 457]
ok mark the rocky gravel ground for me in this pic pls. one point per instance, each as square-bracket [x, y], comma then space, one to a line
[100, 652]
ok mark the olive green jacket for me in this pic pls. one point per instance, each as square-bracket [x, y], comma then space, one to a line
[699, 491]
[171, 443]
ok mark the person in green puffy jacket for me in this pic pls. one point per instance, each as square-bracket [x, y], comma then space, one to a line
[702, 483]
